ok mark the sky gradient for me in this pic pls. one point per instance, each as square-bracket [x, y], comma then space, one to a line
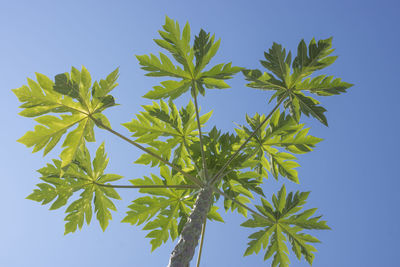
[352, 174]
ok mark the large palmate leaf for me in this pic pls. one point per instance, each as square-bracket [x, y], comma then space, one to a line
[164, 128]
[284, 222]
[279, 132]
[166, 210]
[193, 60]
[287, 78]
[70, 93]
[83, 175]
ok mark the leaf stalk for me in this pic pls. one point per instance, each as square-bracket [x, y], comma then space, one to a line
[185, 174]
[218, 175]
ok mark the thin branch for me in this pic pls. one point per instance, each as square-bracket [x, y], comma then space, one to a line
[190, 177]
[203, 157]
[218, 175]
[218, 191]
[203, 231]
[179, 186]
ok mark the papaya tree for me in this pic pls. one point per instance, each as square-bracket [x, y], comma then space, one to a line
[197, 171]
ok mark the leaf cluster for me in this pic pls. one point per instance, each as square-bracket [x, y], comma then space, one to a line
[235, 165]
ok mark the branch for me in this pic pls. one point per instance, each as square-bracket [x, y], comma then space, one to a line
[203, 231]
[203, 157]
[218, 175]
[179, 186]
[190, 177]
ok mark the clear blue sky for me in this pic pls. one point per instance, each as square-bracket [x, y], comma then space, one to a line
[353, 174]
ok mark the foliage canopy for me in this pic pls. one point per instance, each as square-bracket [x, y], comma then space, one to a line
[189, 160]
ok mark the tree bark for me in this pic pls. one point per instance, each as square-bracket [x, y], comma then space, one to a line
[190, 235]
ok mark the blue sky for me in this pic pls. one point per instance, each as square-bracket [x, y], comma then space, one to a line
[352, 174]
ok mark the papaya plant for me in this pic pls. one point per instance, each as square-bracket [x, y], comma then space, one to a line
[197, 170]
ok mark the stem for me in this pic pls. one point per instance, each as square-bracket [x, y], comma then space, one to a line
[189, 238]
[203, 230]
[203, 157]
[190, 177]
[179, 186]
[218, 175]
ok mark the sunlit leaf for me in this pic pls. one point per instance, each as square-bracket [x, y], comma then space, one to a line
[279, 228]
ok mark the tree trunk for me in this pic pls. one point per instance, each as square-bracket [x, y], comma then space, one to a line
[190, 235]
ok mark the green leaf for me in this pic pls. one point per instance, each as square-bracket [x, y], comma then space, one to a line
[214, 215]
[164, 128]
[309, 106]
[263, 81]
[65, 86]
[102, 88]
[259, 239]
[69, 93]
[72, 142]
[144, 208]
[168, 89]
[48, 134]
[204, 49]
[287, 79]
[176, 43]
[280, 131]
[61, 184]
[101, 118]
[317, 58]
[78, 211]
[278, 62]
[282, 199]
[163, 227]
[100, 162]
[221, 72]
[278, 228]
[189, 75]
[161, 211]
[102, 206]
[280, 165]
[215, 83]
[161, 67]
[324, 85]
[109, 178]
[45, 194]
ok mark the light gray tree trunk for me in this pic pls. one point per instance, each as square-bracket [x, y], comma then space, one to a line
[190, 235]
